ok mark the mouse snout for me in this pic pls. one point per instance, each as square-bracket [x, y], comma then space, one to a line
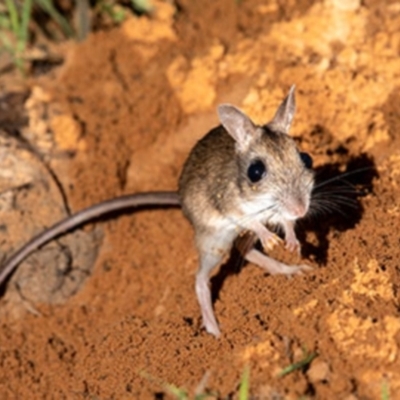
[296, 208]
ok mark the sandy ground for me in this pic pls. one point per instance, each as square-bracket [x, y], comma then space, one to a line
[88, 314]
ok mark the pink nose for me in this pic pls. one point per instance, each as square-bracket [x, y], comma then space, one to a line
[299, 210]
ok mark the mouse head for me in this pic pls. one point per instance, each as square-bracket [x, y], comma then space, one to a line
[275, 178]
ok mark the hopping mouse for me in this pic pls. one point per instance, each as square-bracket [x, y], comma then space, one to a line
[238, 178]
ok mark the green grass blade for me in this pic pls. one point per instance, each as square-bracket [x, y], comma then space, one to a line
[295, 366]
[244, 385]
[48, 6]
[385, 393]
[117, 14]
[175, 391]
[24, 28]
[144, 6]
[203, 396]
[14, 18]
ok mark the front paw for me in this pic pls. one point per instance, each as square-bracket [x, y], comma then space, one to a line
[292, 244]
[270, 240]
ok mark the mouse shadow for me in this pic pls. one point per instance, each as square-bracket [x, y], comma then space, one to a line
[232, 266]
[335, 205]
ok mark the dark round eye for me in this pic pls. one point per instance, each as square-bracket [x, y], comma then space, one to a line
[307, 160]
[256, 171]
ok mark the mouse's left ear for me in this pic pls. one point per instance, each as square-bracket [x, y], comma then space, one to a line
[284, 115]
[238, 125]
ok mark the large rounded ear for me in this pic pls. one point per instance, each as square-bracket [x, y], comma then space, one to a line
[238, 125]
[284, 115]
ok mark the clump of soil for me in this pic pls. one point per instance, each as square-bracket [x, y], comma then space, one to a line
[85, 316]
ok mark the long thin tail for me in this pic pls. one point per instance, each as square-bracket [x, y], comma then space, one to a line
[104, 208]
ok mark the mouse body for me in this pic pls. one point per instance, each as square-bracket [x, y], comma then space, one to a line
[238, 178]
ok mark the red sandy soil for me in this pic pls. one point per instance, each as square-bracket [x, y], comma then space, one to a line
[91, 313]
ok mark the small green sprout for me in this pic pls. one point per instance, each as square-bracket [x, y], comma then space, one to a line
[14, 27]
[245, 384]
[142, 6]
[177, 392]
[298, 365]
[385, 391]
[48, 7]
[114, 11]
[15, 19]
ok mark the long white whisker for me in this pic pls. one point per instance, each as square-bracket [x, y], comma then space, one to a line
[338, 190]
[326, 209]
[330, 206]
[341, 176]
[336, 205]
[334, 196]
